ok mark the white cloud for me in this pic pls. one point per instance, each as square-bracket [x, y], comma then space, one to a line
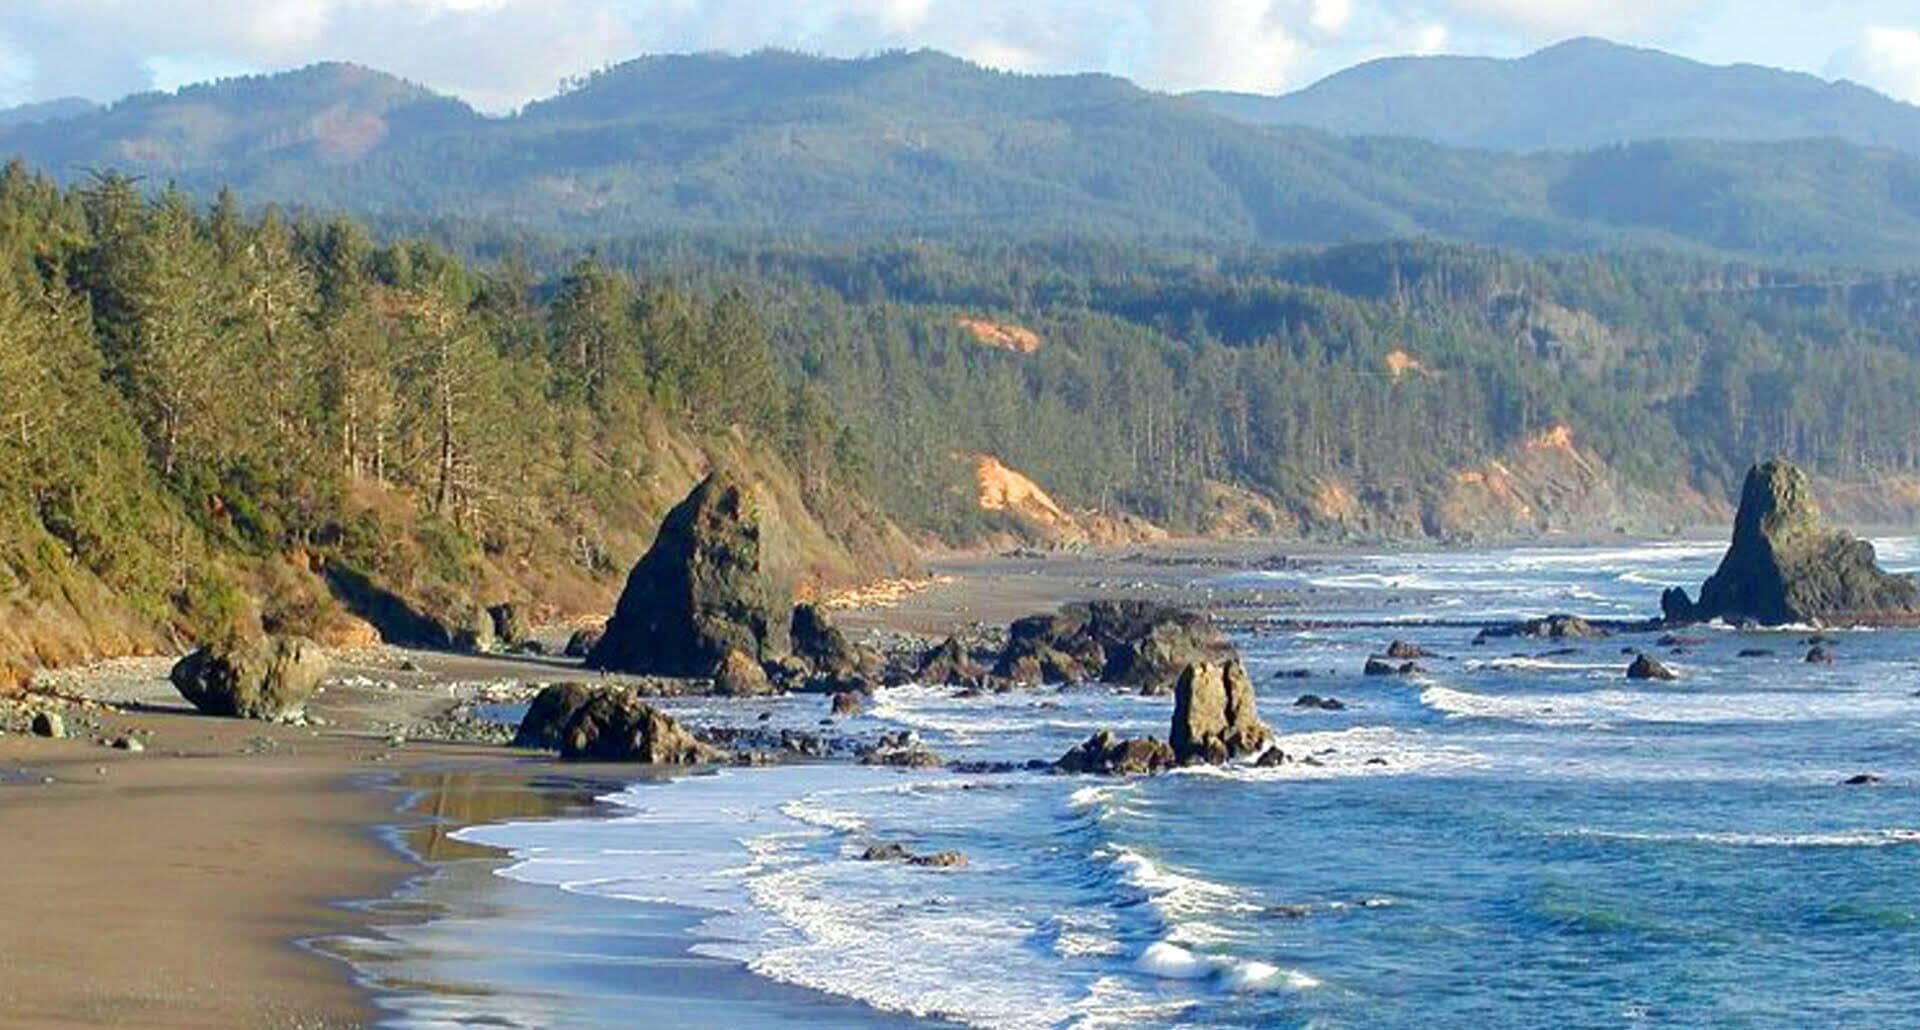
[1887, 59]
[1554, 19]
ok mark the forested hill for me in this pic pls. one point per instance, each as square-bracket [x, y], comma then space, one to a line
[211, 423]
[1582, 94]
[931, 146]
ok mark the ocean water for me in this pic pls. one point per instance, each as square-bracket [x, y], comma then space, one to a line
[1516, 837]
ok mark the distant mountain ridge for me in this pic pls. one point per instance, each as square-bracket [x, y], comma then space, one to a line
[46, 111]
[1581, 94]
[924, 143]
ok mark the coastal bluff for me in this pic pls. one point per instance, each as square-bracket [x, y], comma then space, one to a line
[1785, 566]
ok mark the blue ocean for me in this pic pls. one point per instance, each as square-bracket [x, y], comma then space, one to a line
[1516, 836]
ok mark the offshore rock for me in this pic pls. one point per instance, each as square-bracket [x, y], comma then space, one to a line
[826, 650]
[267, 678]
[1107, 755]
[1784, 566]
[949, 665]
[702, 590]
[1214, 715]
[549, 714]
[1646, 667]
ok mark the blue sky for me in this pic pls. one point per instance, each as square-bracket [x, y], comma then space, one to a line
[501, 53]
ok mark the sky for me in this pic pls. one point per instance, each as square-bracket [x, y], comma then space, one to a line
[499, 54]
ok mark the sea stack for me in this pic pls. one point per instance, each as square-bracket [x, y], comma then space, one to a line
[1786, 567]
[703, 590]
[1214, 715]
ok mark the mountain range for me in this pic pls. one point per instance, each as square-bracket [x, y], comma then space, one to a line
[1581, 94]
[927, 144]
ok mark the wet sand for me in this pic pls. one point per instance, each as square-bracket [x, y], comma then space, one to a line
[175, 887]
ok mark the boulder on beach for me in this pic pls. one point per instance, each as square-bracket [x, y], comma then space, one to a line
[703, 589]
[550, 713]
[1214, 715]
[738, 675]
[612, 724]
[1646, 667]
[1785, 566]
[267, 678]
[826, 650]
[1105, 754]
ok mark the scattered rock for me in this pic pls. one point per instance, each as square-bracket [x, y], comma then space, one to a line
[1324, 704]
[1862, 780]
[1271, 757]
[1294, 674]
[1215, 717]
[702, 589]
[1646, 667]
[49, 725]
[132, 744]
[1755, 652]
[1784, 566]
[1401, 650]
[846, 703]
[898, 853]
[1818, 655]
[267, 678]
[1377, 667]
[1676, 640]
[901, 750]
[1107, 755]
[1552, 627]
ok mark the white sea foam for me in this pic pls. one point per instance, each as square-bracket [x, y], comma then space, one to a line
[1170, 961]
[1895, 837]
[1355, 751]
[1666, 705]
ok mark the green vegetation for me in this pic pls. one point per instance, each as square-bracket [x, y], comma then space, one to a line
[927, 145]
[210, 419]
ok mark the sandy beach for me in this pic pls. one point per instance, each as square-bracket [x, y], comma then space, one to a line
[173, 887]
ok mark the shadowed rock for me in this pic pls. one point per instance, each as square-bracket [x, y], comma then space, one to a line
[267, 678]
[1784, 566]
[738, 675]
[1214, 715]
[702, 590]
[950, 665]
[549, 714]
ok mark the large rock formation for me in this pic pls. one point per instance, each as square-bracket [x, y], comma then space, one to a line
[702, 590]
[267, 678]
[1214, 715]
[1784, 566]
[1130, 643]
[607, 724]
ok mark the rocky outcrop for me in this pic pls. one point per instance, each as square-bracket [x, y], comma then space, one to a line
[609, 724]
[582, 641]
[702, 590]
[827, 651]
[1552, 627]
[1105, 754]
[1129, 643]
[267, 678]
[1215, 718]
[511, 627]
[1784, 566]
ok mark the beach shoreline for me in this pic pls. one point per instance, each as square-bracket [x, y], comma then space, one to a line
[187, 882]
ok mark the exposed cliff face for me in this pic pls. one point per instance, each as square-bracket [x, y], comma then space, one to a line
[1785, 566]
